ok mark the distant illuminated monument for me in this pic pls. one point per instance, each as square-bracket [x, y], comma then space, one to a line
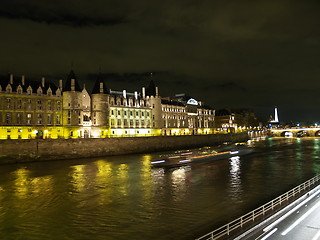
[274, 120]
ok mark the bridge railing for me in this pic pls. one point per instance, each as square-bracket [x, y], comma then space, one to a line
[260, 212]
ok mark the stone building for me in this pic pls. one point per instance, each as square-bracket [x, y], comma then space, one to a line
[40, 109]
[235, 120]
[30, 109]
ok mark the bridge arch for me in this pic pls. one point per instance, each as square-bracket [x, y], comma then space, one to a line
[286, 134]
[317, 133]
[303, 133]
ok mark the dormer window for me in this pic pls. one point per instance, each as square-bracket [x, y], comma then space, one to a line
[49, 92]
[39, 91]
[9, 89]
[19, 89]
[58, 92]
[29, 90]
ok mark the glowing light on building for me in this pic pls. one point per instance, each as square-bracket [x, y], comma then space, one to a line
[192, 101]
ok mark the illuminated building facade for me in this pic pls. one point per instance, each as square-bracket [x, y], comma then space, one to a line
[30, 109]
[40, 109]
[235, 120]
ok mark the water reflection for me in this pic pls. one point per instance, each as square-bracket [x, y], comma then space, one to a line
[316, 148]
[78, 178]
[104, 181]
[125, 198]
[146, 181]
[25, 185]
[122, 179]
[235, 177]
[179, 178]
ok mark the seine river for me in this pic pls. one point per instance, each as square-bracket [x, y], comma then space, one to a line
[124, 198]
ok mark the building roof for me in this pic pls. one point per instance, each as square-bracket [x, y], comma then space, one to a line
[67, 86]
[96, 87]
[151, 89]
[206, 107]
[172, 102]
[35, 84]
[182, 97]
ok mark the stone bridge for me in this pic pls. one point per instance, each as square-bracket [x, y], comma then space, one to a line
[295, 132]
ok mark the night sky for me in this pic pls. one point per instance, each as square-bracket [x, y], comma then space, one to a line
[236, 54]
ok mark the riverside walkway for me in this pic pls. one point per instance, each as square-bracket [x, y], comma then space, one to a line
[293, 215]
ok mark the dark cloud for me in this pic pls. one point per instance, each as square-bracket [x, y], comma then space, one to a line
[236, 53]
[74, 13]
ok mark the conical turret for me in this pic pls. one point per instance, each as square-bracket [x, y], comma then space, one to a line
[72, 83]
[100, 86]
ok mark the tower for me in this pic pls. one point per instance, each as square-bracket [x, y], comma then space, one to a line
[152, 94]
[100, 107]
[72, 106]
[276, 119]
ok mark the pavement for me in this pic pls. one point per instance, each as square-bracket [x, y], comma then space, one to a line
[300, 222]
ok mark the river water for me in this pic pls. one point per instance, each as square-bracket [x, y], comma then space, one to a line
[122, 197]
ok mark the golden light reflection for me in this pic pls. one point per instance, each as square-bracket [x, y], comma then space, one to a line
[104, 179]
[1, 191]
[24, 184]
[146, 168]
[21, 182]
[123, 179]
[78, 177]
[146, 179]
[104, 172]
[41, 184]
[179, 182]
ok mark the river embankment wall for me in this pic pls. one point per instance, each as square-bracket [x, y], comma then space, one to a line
[14, 151]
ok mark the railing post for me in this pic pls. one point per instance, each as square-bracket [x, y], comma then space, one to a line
[263, 210]
[253, 216]
[228, 228]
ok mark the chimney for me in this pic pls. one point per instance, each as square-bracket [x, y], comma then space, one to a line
[157, 92]
[11, 78]
[101, 87]
[143, 92]
[73, 84]
[22, 80]
[60, 84]
[136, 95]
[42, 82]
[124, 93]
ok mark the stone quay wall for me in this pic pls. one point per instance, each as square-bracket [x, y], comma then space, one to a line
[14, 151]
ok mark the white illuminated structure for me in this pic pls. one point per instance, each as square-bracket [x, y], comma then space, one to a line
[276, 119]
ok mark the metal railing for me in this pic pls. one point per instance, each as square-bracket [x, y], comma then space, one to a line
[260, 212]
